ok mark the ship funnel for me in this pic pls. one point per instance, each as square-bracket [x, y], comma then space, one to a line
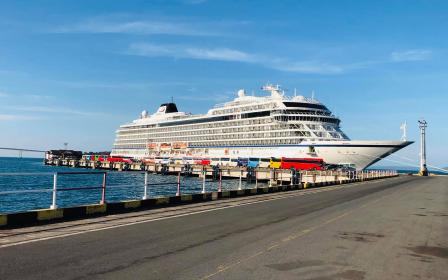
[241, 93]
[167, 108]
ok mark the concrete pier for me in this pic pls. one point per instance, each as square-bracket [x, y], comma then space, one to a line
[273, 176]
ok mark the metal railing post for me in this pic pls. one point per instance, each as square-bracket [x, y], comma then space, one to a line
[256, 179]
[292, 179]
[281, 177]
[203, 180]
[145, 190]
[178, 184]
[55, 189]
[103, 189]
[241, 180]
[220, 181]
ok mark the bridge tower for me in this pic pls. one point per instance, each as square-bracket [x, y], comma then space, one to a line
[422, 124]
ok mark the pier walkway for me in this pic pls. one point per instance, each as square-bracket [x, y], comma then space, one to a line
[385, 229]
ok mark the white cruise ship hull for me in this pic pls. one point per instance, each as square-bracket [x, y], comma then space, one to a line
[358, 154]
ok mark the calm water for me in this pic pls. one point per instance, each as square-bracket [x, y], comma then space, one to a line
[121, 185]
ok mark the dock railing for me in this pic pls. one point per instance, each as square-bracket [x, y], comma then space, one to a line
[275, 177]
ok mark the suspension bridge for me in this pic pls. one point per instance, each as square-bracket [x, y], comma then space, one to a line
[21, 150]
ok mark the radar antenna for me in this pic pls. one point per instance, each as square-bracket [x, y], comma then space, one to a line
[275, 90]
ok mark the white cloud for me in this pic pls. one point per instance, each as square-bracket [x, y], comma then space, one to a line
[16, 117]
[178, 51]
[219, 54]
[227, 54]
[139, 27]
[28, 96]
[216, 97]
[102, 85]
[410, 55]
[37, 96]
[311, 67]
[278, 63]
[48, 109]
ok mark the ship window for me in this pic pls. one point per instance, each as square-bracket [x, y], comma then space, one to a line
[305, 105]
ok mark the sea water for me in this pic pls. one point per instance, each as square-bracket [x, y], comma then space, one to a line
[31, 176]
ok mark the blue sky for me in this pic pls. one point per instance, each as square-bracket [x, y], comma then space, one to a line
[73, 71]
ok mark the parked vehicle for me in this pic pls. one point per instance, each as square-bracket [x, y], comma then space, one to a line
[63, 154]
[176, 161]
[205, 161]
[189, 160]
[215, 161]
[233, 162]
[242, 162]
[253, 162]
[148, 160]
[275, 163]
[162, 160]
[264, 162]
[224, 161]
[298, 163]
[119, 159]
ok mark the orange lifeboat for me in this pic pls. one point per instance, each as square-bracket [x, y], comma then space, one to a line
[165, 146]
[152, 146]
[179, 145]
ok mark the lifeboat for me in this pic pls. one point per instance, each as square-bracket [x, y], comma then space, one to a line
[165, 146]
[179, 145]
[152, 146]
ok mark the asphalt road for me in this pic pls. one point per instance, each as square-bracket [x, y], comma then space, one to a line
[389, 229]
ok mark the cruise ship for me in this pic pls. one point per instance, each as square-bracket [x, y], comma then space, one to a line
[273, 125]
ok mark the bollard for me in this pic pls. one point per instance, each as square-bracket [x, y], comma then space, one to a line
[178, 184]
[203, 180]
[103, 190]
[145, 190]
[55, 186]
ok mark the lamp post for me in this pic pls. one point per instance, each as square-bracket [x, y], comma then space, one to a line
[422, 124]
